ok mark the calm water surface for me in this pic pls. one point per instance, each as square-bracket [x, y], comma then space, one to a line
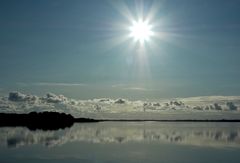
[124, 142]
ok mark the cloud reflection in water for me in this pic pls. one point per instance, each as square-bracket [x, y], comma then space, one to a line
[200, 134]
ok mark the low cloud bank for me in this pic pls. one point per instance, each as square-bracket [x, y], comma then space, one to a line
[22, 103]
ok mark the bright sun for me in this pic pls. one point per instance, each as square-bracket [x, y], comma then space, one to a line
[141, 31]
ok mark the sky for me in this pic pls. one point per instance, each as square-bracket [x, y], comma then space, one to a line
[80, 49]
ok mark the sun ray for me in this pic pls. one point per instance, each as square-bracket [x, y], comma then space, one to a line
[113, 42]
[123, 9]
[153, 11]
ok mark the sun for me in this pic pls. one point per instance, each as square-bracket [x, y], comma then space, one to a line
[141, 31]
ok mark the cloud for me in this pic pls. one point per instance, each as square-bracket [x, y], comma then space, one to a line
[120, 101]
[124, 108]
[176, 103]
[17, 96]
[52, 98]
[231, 106]
[216, 107]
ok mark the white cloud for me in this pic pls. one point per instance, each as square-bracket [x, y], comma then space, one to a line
[191, 108]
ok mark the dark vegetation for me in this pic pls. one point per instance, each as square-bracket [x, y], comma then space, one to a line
[42, 120]
[171, 120]
[56, 120]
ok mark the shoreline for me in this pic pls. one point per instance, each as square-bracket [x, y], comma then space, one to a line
[55, 120]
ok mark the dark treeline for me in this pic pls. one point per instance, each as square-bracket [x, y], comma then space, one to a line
[171, 120]
[42, 120]
[56, 120]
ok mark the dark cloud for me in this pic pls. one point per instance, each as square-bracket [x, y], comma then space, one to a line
[231, 106]
[120, 101]
[217, 107]
[17, 96]
[198, 108]
[177, 103]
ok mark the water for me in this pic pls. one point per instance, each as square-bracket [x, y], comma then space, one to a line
[124, 142]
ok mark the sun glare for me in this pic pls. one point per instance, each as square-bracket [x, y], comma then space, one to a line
[141, 31]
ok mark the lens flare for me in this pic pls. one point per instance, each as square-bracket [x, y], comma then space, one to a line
[141, 31]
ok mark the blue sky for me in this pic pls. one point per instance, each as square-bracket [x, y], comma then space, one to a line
[69, 47]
